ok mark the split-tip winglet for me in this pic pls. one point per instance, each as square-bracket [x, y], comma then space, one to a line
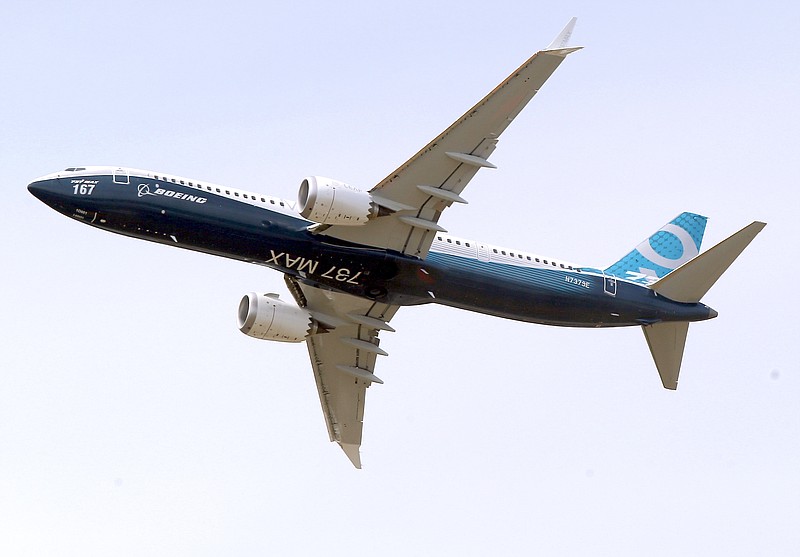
[561, 42]
[352, 453]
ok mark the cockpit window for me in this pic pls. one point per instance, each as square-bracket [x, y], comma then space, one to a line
[74, 169]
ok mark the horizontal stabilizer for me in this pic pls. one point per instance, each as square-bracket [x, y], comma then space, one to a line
[666, 342]
[691, 281]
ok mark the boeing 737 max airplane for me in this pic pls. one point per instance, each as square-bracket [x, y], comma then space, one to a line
[351, 258]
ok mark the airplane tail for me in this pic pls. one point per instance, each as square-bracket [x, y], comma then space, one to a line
[689, 283]
[665, 250]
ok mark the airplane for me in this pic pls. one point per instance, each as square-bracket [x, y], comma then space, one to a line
[352, 258]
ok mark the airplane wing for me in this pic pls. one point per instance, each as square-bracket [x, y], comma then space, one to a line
[343, 354]
[433, 179]
[344, 350]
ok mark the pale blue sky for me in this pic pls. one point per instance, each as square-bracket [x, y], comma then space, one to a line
[134, 417]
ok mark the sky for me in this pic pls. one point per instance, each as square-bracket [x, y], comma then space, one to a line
[136, 419]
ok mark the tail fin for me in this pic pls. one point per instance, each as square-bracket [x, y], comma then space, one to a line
[668, 248]
[689, 283]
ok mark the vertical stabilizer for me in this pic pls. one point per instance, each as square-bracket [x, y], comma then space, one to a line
[668, 248]
[666, 342]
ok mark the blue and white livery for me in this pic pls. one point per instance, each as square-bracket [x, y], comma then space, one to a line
[674, 244]
[352, 258]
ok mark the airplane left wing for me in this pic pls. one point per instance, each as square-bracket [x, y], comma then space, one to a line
[343, 354]
[416, 193]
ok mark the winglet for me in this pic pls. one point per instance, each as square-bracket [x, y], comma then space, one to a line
[352, 453]
[561, 42]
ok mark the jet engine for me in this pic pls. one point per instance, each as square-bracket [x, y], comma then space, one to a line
[268, 317]
[326, 201]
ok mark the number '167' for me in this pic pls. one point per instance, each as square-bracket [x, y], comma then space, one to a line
[82, 189]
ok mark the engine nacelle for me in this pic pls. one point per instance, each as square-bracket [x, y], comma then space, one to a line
[327, 201]
[269, 318]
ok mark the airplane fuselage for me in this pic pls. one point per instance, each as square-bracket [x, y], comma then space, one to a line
[352, 258]
[266, 231]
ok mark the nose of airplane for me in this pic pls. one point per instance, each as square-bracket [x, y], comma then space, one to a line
[36, 189]
[47, 189]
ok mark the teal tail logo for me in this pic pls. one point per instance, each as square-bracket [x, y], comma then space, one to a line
[670, 247]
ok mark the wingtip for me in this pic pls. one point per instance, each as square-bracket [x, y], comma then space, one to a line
[562, 40]
[352, 452]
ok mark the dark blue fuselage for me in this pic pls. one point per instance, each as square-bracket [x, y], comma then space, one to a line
[247, 227]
